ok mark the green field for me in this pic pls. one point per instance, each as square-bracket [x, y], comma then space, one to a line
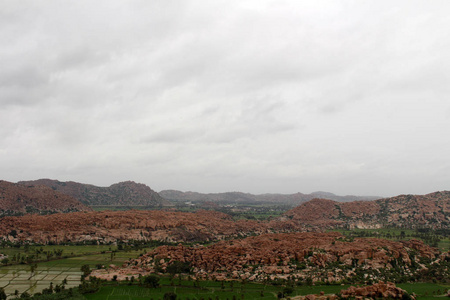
[19, 276]
[207, 289]
[425, 290]
[68, 250]
[214, 290]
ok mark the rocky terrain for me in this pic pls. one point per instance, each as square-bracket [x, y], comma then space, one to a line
[406, 211]
[314, 257]
[111, 226]
[18, 199]
[123, 193]
[246, 198]
[379, 290]
[383, 290]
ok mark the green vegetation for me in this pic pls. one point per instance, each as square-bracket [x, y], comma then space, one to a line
[37, 276]
[189, 289]
[50, 275]
[437, 238]
[425, 290]
[262, 211]
[54, 271]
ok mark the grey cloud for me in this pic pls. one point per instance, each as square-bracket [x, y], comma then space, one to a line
[254, 95]
[27, 77]
[170, 136]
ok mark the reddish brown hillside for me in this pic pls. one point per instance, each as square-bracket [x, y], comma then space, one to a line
[21, 199]
[322, 256]
[408, 211]
[317, 212]
[122, 193]
[108, 226]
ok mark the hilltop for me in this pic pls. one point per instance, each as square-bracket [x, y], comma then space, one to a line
[406, 211]
[123, 193]
[17, 199]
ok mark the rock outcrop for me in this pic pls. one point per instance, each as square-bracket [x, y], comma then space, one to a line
[111, 226]
[326, 257]
[18, 199]
[123, 193]
[406, 211]
[379, 290]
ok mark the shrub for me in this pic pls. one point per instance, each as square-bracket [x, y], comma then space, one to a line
[150, 281]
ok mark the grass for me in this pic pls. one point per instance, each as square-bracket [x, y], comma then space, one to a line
[444, 244]
[235, 290]
[425, 290]
[192, 290]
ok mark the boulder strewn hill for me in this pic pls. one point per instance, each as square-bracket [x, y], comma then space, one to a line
[17, 199]
[407, 211]
[325, 257]
[246, 198]
[123, 193]
[112, 226]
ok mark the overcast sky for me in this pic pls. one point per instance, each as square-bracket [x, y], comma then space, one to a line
[349, 97]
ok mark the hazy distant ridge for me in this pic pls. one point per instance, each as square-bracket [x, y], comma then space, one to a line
[238, 197]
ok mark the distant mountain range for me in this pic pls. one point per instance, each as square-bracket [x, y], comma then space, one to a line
[245, 198]
[17, 199]
[122, 193]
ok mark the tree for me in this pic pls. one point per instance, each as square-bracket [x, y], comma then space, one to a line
[33, 268]
[150, 281]
[2, 294]
[178, 267]
[170, 296]
[86, 270]
[288, 290]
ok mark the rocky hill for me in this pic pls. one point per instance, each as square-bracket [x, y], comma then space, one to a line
[325, 257]
[407, 211]
[112, 226]
[431, 211]
[245, 198]
[123, 193]
[17, 199]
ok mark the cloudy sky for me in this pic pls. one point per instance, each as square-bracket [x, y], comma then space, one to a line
[350, 97]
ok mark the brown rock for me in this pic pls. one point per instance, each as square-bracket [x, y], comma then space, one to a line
[378, 290]
[17, 198]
